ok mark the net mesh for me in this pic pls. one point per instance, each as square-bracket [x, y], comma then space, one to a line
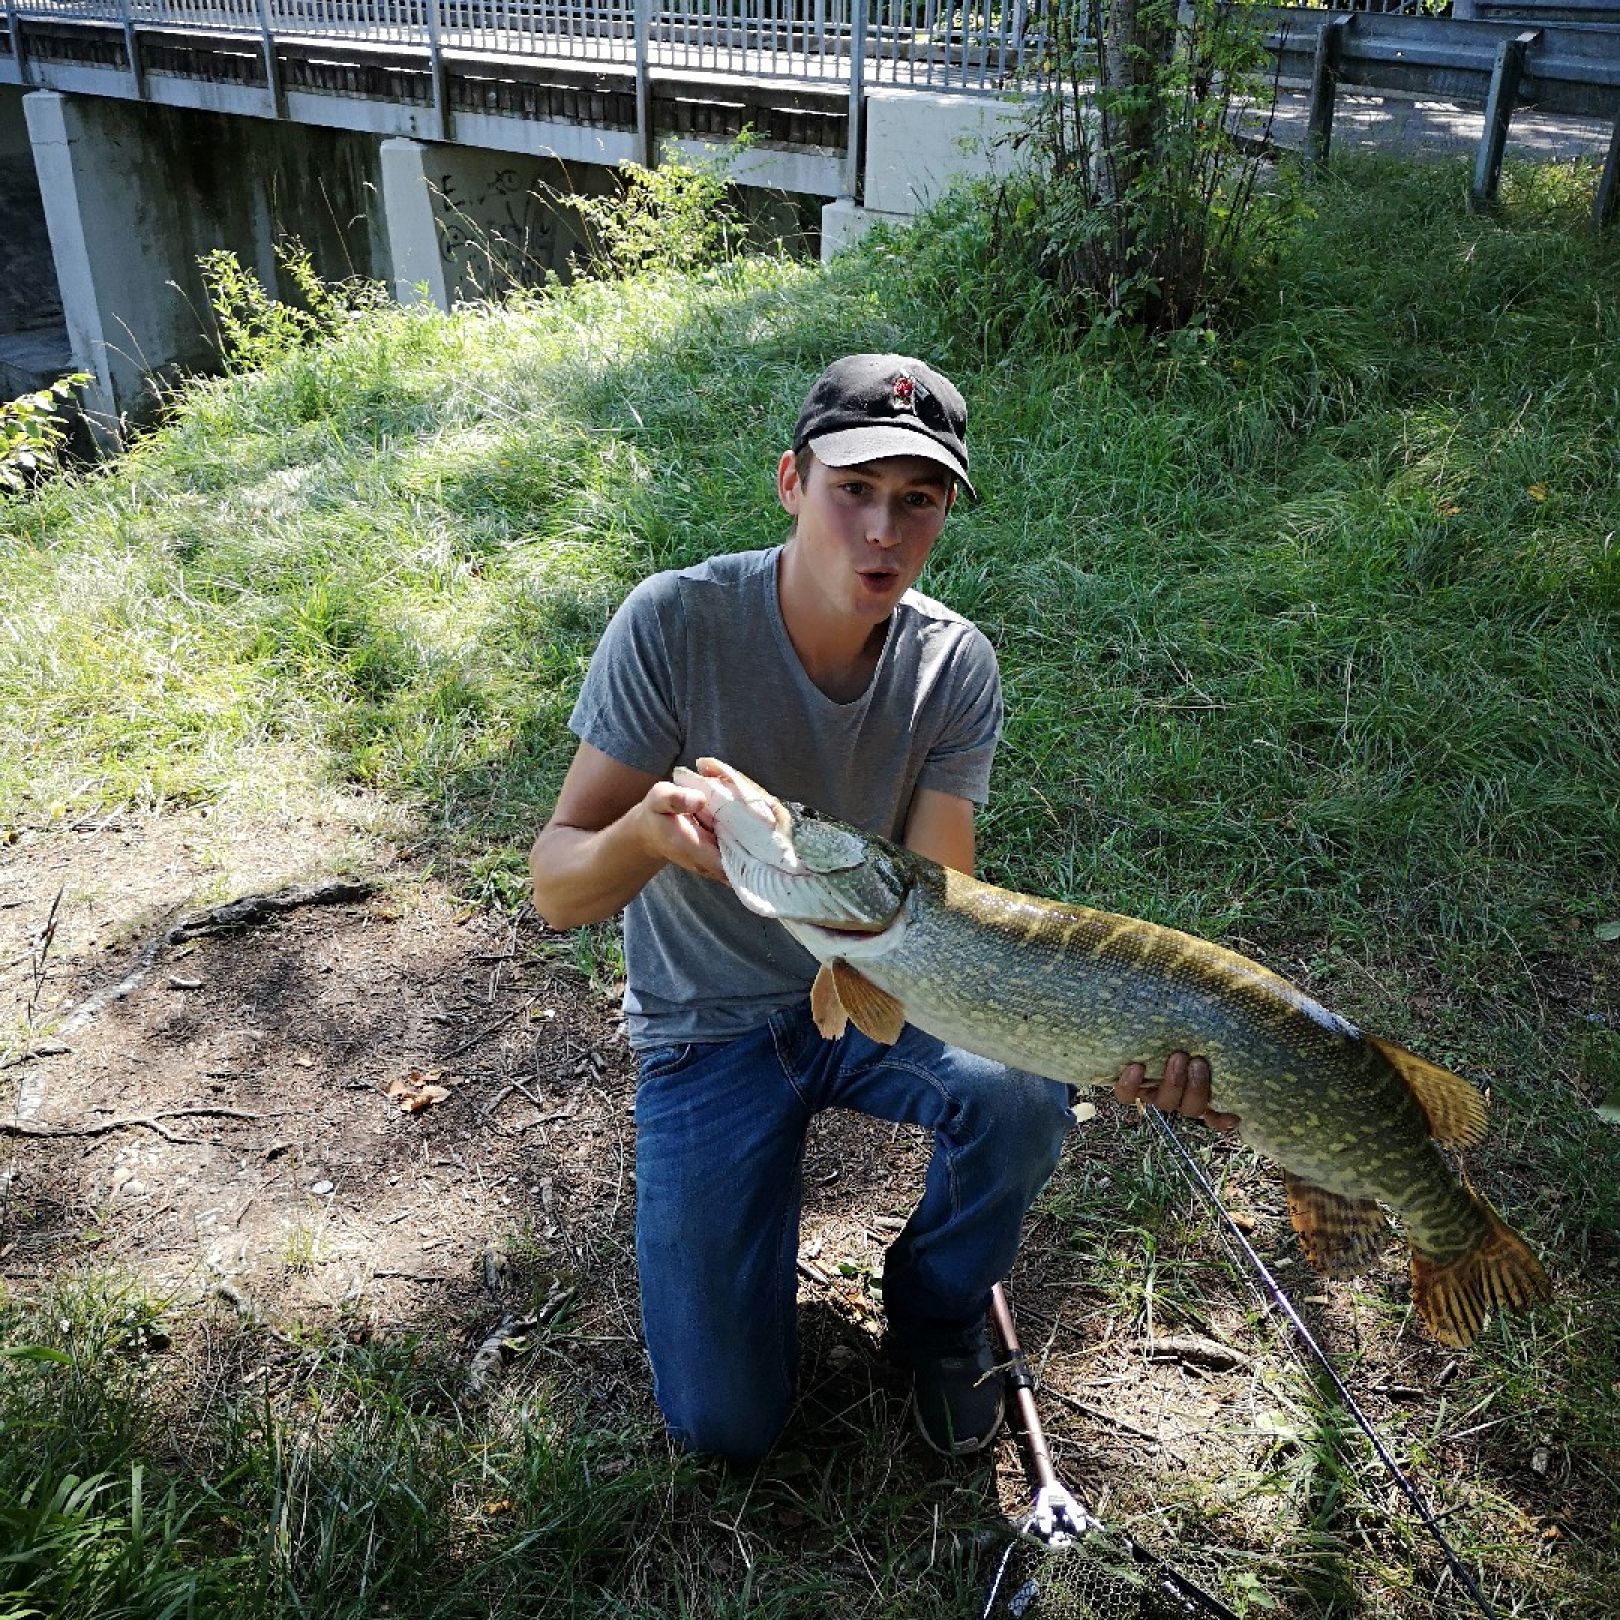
[1094, 1579]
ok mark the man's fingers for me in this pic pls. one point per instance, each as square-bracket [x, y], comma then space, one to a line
[1195, 1100]
[1172, 1088]
[1184, 1089]
[1129, 1085]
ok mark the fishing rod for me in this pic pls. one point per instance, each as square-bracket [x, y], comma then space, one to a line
[1190, 1167]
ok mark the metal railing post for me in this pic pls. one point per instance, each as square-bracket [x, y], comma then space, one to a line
[441, 109]
[132, 50]
[857, 99]
[1499, 102]
[1324, 82]
[644, 123]
[272, 62]
[19, 55]
[1606, 205]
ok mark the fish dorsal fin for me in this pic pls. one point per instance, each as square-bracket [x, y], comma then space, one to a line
[873, 1012]
[825, 1007]
[1455, 1109]
[1340, 1236]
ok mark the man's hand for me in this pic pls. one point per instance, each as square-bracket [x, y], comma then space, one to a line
[675, 827]
[1183, 1090]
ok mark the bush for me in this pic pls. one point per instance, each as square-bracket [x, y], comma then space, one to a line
[32, 431]
[1141, 207]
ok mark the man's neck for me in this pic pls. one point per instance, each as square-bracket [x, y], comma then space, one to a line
[839, 654]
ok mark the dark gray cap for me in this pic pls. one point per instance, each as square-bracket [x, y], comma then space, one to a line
[869, 406]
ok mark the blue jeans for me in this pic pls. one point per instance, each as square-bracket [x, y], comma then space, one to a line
[720, 1131]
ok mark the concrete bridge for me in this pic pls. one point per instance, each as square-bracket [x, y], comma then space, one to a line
[423, 142]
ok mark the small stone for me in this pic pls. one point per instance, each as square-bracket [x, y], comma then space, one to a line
[321, 1188]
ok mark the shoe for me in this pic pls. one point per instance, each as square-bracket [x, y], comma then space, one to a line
[960, 1399]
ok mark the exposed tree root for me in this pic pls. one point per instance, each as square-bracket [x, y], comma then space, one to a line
[151, 1122]
[243, 913]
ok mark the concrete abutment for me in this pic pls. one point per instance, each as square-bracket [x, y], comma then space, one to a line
[108, 202]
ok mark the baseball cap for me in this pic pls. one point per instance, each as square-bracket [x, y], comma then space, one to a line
[868, 406]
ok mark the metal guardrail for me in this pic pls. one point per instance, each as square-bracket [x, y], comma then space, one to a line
[971, 46]
[1557, 67]
[1567, 68]
[1604, 13]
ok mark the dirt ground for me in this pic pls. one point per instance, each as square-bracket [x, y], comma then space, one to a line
[240, 1112]
[406, 1114]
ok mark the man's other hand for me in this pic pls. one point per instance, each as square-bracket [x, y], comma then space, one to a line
[1184, 1089]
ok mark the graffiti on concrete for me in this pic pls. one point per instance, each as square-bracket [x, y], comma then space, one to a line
[500, 229]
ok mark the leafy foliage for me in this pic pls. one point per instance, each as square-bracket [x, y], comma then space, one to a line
[256, 328]
[1142, 207]
[678, 216]
[32, 430]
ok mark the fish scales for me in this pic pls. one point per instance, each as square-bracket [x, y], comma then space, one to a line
[1075, 994]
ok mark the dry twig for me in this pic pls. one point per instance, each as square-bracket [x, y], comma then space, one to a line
[152, 1122]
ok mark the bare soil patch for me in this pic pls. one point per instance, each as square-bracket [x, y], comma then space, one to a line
[278, 1169]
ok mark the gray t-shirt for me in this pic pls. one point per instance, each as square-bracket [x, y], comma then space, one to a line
[699, 662]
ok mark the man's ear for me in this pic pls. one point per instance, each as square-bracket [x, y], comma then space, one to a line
[788, 487]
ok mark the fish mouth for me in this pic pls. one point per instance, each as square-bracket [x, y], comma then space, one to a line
[786, 863]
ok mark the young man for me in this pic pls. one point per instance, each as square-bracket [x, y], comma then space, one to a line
[816, 669]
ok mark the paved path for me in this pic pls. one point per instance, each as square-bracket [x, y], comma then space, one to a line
[1440, 128]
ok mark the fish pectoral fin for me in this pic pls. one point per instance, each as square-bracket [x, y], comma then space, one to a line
[1455, 1109]
[874, 1012]
[1500, 1270]
[825, 1007]
[1340, 1236]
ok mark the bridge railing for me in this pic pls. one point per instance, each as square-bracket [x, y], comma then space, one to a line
[956, 45]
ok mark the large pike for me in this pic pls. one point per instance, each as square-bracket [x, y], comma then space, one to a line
[1075, 994]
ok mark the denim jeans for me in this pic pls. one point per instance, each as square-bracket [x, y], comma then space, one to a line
[720, 1132]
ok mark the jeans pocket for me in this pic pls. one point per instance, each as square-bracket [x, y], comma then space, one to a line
[657, 1062]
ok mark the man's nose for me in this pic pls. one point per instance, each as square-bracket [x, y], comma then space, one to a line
[884, 526]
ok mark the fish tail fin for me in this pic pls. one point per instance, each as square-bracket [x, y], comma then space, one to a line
[1500, 1270]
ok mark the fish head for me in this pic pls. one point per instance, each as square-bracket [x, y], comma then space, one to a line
[794, 864]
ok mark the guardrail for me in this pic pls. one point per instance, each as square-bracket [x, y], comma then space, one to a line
[1559, 67]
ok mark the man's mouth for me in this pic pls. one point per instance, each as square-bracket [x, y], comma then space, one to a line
[880, 578]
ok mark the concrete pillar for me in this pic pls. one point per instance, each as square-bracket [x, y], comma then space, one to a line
[71, 217]
[844, 222]
[411, 226]
[135, 194]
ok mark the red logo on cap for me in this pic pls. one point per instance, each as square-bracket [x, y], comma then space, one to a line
[905, 393]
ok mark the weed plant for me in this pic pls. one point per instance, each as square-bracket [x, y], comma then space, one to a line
[1308, 629]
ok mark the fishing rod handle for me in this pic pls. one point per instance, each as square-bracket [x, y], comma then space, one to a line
[1040, 1457]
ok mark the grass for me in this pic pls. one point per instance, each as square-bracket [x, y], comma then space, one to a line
[1309, 636]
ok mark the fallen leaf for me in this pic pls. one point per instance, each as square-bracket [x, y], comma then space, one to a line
[1536, 492]
[417, 1090]
[1449, 509]
[416, 1101]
